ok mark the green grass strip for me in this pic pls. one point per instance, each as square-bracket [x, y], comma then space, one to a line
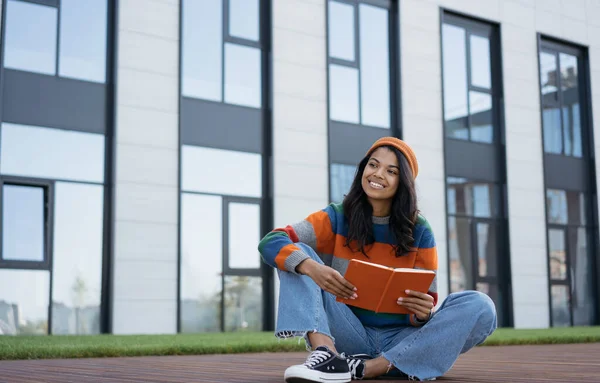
[45, 347]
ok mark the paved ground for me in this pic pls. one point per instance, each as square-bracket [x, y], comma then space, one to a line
[559, 363]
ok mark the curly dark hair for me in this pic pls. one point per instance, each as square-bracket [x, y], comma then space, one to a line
[403, 216]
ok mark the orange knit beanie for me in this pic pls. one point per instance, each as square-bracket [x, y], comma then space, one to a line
[402, 147]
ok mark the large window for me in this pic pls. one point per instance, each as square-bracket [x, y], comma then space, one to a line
[561, 109]
[478, 251]
[54, 119]
[569, 183]
[362, 61]
[224, 87]
[467, 82]
[71, 37]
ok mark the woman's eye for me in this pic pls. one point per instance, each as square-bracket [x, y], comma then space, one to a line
[372, 165]
[392, 172]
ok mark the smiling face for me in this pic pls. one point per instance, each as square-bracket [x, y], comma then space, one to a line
[381, 176]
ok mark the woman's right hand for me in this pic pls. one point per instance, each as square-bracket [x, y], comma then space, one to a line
[328, 279]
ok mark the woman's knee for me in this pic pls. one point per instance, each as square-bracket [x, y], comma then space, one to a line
[480, 305]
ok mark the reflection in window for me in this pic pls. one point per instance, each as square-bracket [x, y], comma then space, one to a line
[243, 303]
[454, 57]
[374, 66]
[77, 258]
[244, 235]
[552, 130]
[51, 153]
[471, 198]
[480, 62]
[459, 246]
[201, 49]
[219, 171]
[558, 254]
[24, 302]
[243, 19]
[341, 31]
[560, 306]
[242, 75]
[486, 250]
[480, 109]
[582, 277]
[548, 74]
[23, 223]
[82, 45]
[30, 46]
[201, 262]
[341, 181]
[343, 94]
[556, 201]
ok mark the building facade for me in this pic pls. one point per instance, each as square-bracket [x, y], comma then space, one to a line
[147, 145]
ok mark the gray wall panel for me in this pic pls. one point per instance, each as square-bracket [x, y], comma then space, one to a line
[348, 143]
[567, 173]
[222, 126]
[56, 102]
[473, 160]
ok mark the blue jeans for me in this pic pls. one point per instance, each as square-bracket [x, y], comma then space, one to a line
[463, 321]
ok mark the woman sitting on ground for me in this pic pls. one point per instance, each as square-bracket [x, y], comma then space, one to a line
[379, 222]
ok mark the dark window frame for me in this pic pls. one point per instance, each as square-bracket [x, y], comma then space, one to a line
[454, 166]
[192, 135]
[482, 29]
[341, 149]
[547, 43]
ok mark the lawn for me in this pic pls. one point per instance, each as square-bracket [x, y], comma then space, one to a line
[42, 347]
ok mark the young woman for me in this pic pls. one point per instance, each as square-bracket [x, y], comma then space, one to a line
[378, 222]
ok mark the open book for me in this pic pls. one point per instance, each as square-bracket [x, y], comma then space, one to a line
[379, 287]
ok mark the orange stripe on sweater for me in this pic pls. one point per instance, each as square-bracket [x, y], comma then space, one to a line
[323, 231]
[381, 253]
[283, 254]
[427, 259]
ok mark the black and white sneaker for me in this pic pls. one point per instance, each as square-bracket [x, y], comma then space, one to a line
[322, 365]
[356, 364]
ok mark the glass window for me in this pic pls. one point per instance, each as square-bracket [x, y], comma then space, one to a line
[454, 59]
[582, 278]
[548, 73]
[202, 44]
[480, 108]
[243, 19]
[201, 262]
[470, 198]
[82, 45]
[341, 31]
[51, 153]
[576, 206]
[242, 75]
[461, 276]
[343, 94]
[552, 130]
[341, 181]
[221, 171]
[77, 258]
[243, 303]
[558, 254]
[244, 235]
[23, 223]
[568, 71]
[557, 206]
[577, 150]
[374, 66]
[487, 247]
[560, 306]
[24, 298]
[30, 46]
[480, 62]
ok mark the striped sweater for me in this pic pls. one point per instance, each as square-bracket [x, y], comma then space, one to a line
[325, 231]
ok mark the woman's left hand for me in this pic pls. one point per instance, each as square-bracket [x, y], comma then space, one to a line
[418, 303]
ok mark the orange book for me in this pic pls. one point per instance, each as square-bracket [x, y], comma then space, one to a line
[379, 287]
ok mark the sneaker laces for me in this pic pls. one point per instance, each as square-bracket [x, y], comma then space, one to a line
[353, 365]
[316, 357]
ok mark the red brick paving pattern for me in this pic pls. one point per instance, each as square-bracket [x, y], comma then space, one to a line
[556, 363]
